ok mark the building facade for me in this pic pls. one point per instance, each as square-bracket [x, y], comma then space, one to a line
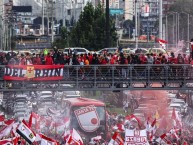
[113, 4]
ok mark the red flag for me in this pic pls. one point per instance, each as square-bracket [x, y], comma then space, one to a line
[9, 141]
[162, 42]
[163, 138]
[33, 119]
[153, 123]
[2, 118]
[8, 122]
[46, 140]
[116, 139]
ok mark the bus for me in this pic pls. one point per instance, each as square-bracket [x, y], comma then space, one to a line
[88, 116]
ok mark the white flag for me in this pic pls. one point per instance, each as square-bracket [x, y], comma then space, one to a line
[24, 131]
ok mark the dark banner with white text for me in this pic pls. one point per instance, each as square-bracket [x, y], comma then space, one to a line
[33, 72]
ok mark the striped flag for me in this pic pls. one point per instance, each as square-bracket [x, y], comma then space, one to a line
[116, 139]
[163, 139]
[9, 141]
[24, 131]
[162, 43]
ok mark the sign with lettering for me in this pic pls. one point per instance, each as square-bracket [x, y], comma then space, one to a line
[136, 137]
[88, 118]
[33, 72]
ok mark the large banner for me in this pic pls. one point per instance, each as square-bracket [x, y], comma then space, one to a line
[88, 118]
[136, 137]
[33, 72]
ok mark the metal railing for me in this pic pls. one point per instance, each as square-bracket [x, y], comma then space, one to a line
[115, 77]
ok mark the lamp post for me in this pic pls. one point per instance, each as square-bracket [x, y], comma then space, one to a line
[160, 19]
[42, 17]
[136, 25]
[107, 25]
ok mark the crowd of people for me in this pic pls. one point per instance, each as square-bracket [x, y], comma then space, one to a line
[57, 57]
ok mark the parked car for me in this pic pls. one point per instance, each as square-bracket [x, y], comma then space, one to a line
[76, 50]
[157, 50]
[108, 50]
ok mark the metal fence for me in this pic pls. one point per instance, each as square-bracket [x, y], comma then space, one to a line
[117, 77]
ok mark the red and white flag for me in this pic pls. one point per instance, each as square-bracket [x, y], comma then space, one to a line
[72, 141]
[116, 139]
[173, 133]
[6, 130]
[9, 141]
[33, 120]
[177, 119]
[8, 122]
[24, 131]
[162, 43]
[2, 118]
[46, 140]
[163, 139]
[73, 137]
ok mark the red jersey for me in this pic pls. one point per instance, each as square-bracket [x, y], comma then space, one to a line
[22, 61]
[143, 60]
[172, 60]
[48, 60]
[37, 61]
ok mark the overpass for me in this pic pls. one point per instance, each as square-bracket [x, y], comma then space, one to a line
[110, 77]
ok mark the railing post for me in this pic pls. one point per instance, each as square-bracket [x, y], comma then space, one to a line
[77, 69]
[113, 76]
[95, 83]
[148, 76]
[166, 75]
[130, 76]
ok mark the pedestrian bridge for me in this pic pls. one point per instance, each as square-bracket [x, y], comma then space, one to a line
[110, 77]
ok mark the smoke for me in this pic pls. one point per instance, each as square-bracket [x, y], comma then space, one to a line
[157, 103]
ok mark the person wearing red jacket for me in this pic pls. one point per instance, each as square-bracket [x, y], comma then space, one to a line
[172, 59]
[22, 60]
[37, 60]
[48, 60]
[143, 59]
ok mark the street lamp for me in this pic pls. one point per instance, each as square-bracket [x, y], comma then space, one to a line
[136, 25]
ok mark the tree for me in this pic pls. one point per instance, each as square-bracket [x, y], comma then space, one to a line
[89, 31]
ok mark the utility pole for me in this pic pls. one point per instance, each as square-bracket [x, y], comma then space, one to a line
[107, 25]
[160, 18]
[63, 18]
[48, 17]
[42, 17]
[166, 30]
[52, 9]
[136, 25]
[188, 35]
